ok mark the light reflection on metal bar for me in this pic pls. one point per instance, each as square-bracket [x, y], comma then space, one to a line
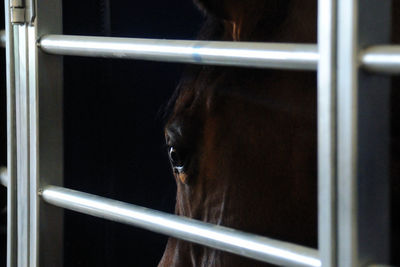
[10, 44]
[327, 48]
[2, 38]
[245, 54]
[383, 58]
[244, 244]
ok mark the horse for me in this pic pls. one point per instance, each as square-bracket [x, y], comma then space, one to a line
[243, 142]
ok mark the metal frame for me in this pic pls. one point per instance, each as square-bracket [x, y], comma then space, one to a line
[353, 138]
[363, 137]
[11, 143]
[34, 99]
[326, 102]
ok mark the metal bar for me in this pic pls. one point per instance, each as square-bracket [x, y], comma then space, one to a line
[23, 164]
[12, 235]
[347, 135]
[244, 244]
[383, 59]
[2, 38]
[32, 125]
[46, 136]
[245, 54]
[380, 59]
[37, 125]
[327, 132]
[51, 199]
[363, 137]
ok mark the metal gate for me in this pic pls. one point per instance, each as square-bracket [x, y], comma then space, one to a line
[353, 133]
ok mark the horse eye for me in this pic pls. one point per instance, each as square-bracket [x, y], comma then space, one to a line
[175, 158]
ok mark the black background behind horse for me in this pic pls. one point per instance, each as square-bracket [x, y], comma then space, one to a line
[114, 143]
[113, 127]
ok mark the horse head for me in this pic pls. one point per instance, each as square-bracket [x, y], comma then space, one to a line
[242, 144]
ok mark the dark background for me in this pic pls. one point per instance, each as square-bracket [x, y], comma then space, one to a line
[114, 142]
[113, 127]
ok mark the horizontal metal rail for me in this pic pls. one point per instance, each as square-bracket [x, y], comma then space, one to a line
[380, 59]
[219, 237]
[245, 54]
[237, 242]
[2, 38]
[383, 59]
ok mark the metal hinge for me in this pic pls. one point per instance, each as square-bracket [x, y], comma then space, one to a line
[23, 11]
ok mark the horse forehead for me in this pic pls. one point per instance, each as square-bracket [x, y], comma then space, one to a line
[193, 102]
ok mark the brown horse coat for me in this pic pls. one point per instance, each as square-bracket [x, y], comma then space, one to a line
[242, 142]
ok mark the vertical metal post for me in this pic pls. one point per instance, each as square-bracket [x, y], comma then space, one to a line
[22, 117]
[38, 134]
[327, 132]
[49, 133]
[363, 136]
[11, 143]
